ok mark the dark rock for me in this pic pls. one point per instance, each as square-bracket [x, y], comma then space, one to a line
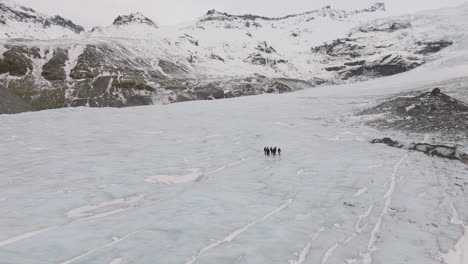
[256, 59]
[386, 27]
[264, 47]
[137, 100]
[216, 57]
[429, 47]
[66, 23]
[441, 151]
[340, 48]
[355, 63]
[54, 70]
[88, 64]
[10, 103]
[386, 66]
[335, 68]
[16, 60]
[136, 18]
[436, 91]
[173, 69]
[387, 141]
[426, 113]
[190, 39]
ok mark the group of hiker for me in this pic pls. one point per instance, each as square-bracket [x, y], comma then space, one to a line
[272, 151]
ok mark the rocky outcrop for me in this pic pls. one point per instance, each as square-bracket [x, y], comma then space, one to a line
[441, 151]
[427, 113]
[11, 103]
[346, 47]
[17, 60]
[388, 26]
[356, 51]
[66, 23]
[429, 47]
[54, 70]
[388, 65]
[134, 18]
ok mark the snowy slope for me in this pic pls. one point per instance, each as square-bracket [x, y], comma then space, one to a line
[135, 62]
[188, 183]
[17, 21]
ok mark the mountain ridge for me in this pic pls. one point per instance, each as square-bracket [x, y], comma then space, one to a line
[133, 62]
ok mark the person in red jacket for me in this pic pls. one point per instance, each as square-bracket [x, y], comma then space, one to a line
[279, 151]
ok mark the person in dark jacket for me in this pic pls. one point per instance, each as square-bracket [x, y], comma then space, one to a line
[267, 151]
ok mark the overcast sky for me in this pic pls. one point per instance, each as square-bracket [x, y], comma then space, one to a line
[89, 13]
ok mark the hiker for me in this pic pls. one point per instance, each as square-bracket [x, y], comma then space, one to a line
[274, 151]
[279, 151]
[267, 151]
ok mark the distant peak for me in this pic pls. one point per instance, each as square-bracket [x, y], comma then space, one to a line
[380, 6]
[214, 12]
[134, 18]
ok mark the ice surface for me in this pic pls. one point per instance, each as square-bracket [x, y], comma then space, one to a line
[188, 183]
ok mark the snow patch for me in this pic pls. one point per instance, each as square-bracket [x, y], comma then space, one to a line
[25, 236]
[458, 255]
[169, 179]
[122, 203]
[360, 192]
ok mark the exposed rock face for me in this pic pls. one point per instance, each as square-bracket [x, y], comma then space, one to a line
[53, 70]
[386, 66]
[17, 60]
[135, 18]
[431, 112]
[66, 23]
[12, 104]
[389, 26]
[377, 40]
[441, 151]
[428, 47]
[346, 47]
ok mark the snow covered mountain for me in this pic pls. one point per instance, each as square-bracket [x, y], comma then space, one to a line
[17, 21]
[135, 62]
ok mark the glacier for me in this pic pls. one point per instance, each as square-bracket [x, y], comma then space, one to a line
[188, 183]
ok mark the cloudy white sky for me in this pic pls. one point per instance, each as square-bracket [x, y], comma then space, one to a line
[91, 13]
